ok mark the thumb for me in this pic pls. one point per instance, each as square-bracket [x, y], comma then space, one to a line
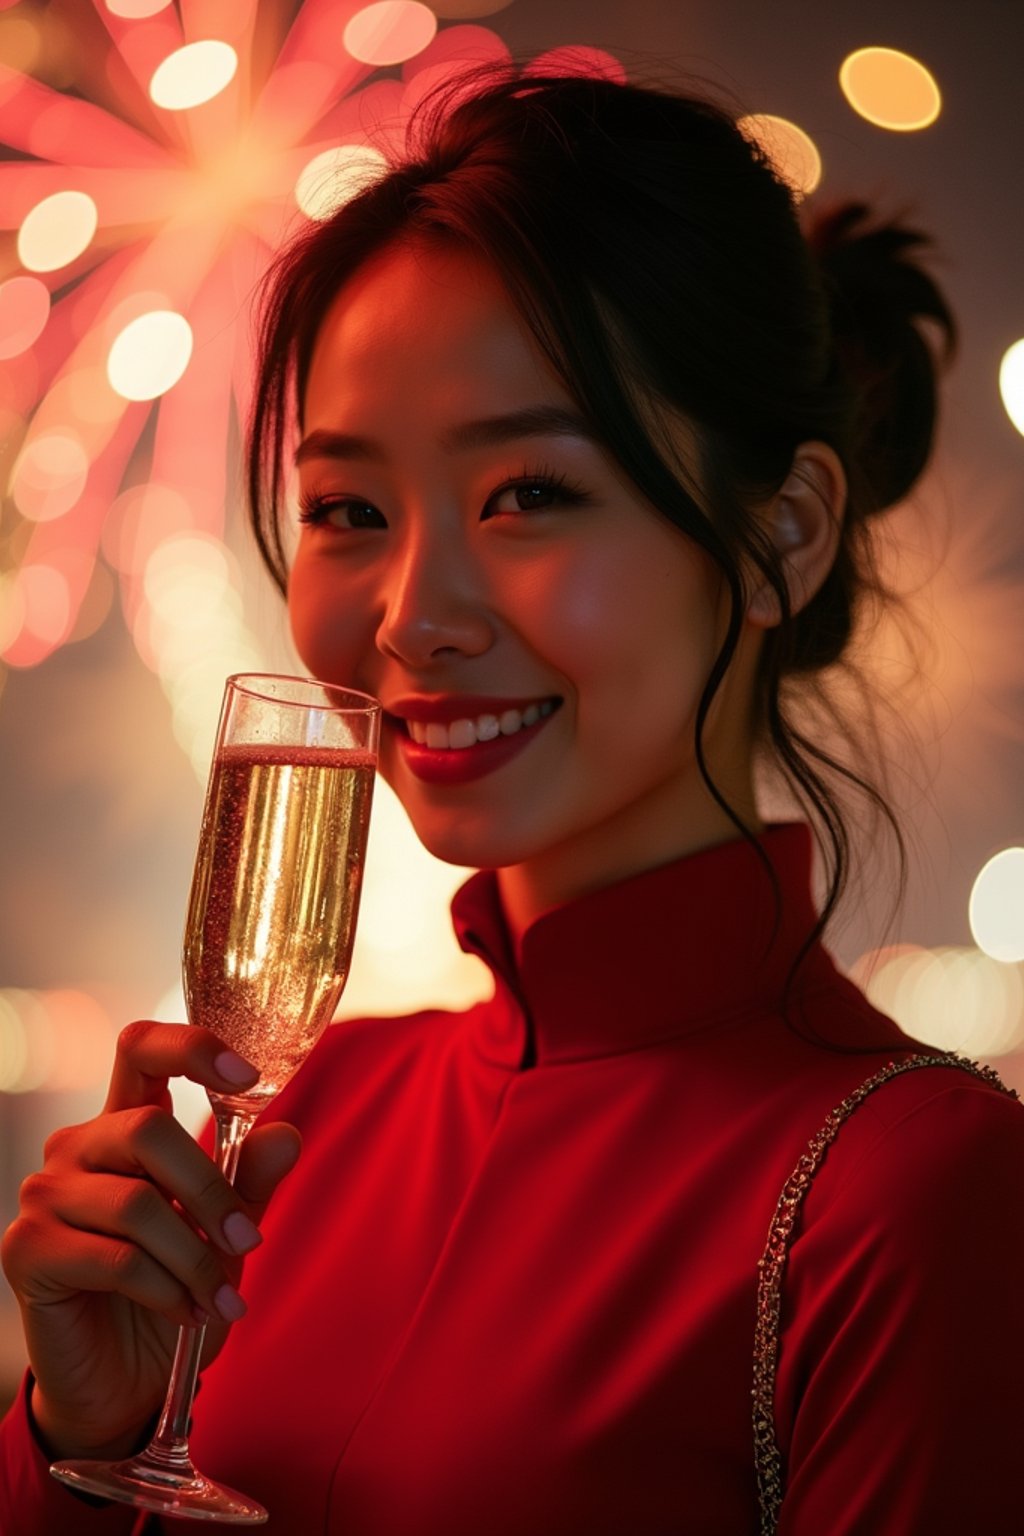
[268, 1153]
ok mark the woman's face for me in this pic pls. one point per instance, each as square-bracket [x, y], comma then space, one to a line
[538, 635]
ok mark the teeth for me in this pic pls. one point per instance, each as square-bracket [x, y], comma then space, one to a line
[461, 733]
[466, 733]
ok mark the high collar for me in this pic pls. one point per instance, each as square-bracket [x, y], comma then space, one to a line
[649, 958]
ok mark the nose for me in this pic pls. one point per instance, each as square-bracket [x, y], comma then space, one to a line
[435, 603]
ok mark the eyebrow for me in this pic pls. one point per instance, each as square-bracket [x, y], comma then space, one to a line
[488, 432]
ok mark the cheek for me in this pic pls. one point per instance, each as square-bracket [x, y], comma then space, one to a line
[626, 626]
[573, 611]
[326, 629]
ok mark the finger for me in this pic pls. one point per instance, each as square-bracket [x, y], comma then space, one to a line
[111, 1206]
[150, 1146]
[268, 1154]
[149, 1053]
[65, 1262]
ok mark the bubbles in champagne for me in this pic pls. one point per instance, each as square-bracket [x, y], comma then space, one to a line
[275, 892]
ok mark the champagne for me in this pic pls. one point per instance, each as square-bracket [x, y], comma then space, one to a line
[274, 898]
[268, 936]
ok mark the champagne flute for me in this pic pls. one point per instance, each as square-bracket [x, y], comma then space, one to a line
[268, 939]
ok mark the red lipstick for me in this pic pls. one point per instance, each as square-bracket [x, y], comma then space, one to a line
[460, 765]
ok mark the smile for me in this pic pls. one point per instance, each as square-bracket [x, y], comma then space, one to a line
[460, 734]
[450, 741]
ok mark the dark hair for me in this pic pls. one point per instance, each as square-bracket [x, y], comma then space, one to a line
[657, 257]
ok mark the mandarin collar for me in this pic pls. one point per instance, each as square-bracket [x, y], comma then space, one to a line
[647, 959]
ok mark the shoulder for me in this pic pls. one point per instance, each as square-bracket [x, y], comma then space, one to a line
[900, 1341]
[924, 1137]
[900, 1331]
[831, 1062]
[924, 1182]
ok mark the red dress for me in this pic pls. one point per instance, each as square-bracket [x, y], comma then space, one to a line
[511, 1286]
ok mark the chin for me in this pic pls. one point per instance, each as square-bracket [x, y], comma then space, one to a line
[468, 851]
[471, 838]
[473, 843]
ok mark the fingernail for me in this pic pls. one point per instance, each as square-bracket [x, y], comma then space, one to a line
[241, 1233]
[229, 1304]
[233, 1068]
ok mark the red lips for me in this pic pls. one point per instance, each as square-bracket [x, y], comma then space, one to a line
[458, 765]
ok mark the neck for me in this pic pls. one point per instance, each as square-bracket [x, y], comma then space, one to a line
[603, 856]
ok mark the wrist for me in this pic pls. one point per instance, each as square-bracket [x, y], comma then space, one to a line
[58, 1439]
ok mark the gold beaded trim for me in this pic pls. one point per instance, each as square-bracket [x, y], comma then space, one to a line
[772, 1264]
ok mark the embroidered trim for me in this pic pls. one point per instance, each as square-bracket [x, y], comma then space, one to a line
[772, 1264]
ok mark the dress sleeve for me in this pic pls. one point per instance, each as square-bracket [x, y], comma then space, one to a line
[900, 1389]
[32, 1503]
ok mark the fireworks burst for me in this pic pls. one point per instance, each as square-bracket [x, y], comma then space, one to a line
[147, 183]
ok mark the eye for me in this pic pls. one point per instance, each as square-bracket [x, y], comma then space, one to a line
[534, 493]
[347, 513]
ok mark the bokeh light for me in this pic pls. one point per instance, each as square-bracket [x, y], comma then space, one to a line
[1011, 383]
[193, 560]
[389, 32]
[56, 231]
[792, 152]
[996, 908]
[955, 998]
[140, 520]
[59, 1041]
[47, 603]
[189, 628]
[84, 1038]
[890, 89]
[49, 476]
[193, 75]
[150, 355]
[90, 396]
[136, 10]
[577, 59]
[24, 311]
[336, 175]
[26, 1049]
[449, 62]
[43, 603]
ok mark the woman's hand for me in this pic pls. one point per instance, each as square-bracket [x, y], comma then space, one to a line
[105, 1257]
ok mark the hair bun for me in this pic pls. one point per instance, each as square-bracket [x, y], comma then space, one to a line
[878, 295]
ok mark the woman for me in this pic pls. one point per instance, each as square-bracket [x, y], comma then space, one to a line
[588, 444]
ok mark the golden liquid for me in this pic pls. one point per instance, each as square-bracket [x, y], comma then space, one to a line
[272, 912]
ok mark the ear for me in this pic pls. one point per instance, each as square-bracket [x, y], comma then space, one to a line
[804, 520]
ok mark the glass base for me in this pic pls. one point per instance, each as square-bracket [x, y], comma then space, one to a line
[147, 1485]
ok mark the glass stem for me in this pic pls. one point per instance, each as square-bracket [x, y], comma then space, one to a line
[168, 1449]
